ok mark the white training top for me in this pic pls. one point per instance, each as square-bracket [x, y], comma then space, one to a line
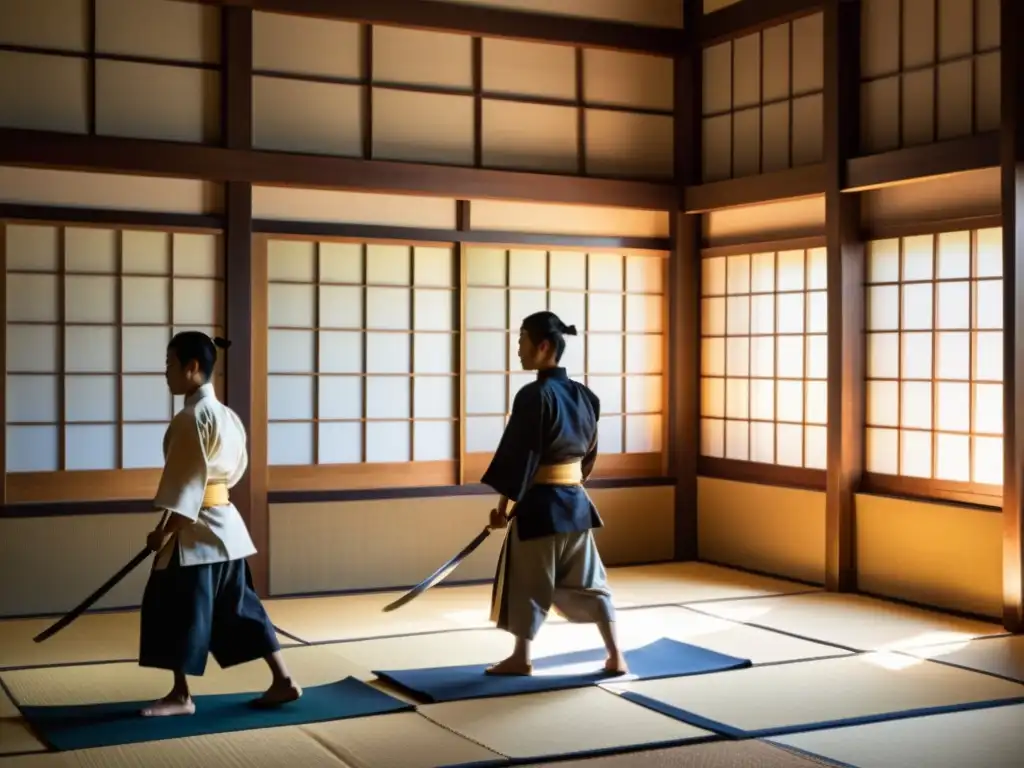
[205, 443]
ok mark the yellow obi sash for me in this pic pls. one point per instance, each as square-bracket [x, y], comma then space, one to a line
[559, 474]
[216, 495]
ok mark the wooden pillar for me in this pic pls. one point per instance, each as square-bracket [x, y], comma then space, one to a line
[846, 343]
[250, 495]
[684, 291]
[1012, 162]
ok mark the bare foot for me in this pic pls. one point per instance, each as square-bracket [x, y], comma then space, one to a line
[511, 666]
[170, 705]
[616, 665]
[279, 694]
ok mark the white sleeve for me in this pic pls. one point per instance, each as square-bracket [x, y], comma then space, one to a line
[183, 482]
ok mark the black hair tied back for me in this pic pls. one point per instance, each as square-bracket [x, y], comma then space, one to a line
[221, 343]
[568, 330]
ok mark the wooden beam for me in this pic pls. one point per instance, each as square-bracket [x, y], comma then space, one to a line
[1012, 162]
[105, 154]
[845, 451]
[914, 163]
[684, 300]
[748, 16]
[805, 181]
[250, 495]
[481, 20]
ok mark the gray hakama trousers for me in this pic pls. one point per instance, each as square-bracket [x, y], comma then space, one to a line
[563, 570]
[190, 612]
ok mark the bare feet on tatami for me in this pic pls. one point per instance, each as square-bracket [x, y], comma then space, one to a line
[616, 665]
[511, 666]
[170, 705]
[278, 694]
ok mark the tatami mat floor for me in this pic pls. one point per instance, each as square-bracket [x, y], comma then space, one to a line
[829, 673]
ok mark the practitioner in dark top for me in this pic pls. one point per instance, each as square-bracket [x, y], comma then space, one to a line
[547, 452]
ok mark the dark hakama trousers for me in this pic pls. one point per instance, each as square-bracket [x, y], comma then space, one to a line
[190, 612]
[563, 570]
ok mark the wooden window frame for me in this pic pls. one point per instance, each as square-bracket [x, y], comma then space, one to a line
[752, 471]
[988, 497]
[71, 486]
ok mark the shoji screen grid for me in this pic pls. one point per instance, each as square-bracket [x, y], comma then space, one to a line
[930, 71]
[389, 93]
[136, 68]
[362, 344]
[935, 359]
[763, 101]
[616, 301]
[764, 357]
[89, 314]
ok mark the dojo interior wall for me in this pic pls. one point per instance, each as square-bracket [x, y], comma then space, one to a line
[921, 82]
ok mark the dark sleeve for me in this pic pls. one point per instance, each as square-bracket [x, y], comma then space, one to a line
[518, 455]
[587, 465]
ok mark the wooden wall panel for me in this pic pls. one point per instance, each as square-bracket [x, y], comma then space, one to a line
[44, 93]
[393, 543]
[930, 71]
[765, 528]
[47, 553]
[31, 186]
[762, 102]
[710, 6]
[661, 13]
[328, 206]
[297, 116]
[905, 547]
[567, 219]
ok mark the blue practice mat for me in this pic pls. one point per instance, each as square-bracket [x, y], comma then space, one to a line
[662, 658]
[104, 725]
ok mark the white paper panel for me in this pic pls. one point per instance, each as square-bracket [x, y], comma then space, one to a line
[318, 118]
[32, 449]
[306, 45]
[422, 57]
[142, 446]
[90, 447]
[340, 442]
[388, 441]
[340, 397]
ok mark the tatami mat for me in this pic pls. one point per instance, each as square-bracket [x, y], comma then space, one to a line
[1003, 656]
[15, 735]
[765, 699]
[347, 617]
[743, 754]
[636, 628]
[852, 621]
[568, 723]
[92, 637]
[406, 740]
[991, 738]
[668, 583]
[96, 683]
[268, 748]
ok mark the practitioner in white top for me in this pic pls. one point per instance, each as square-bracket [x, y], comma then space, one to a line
[199, 599]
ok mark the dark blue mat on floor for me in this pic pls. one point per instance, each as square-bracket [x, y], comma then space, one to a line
[662, 658]
[105, 725]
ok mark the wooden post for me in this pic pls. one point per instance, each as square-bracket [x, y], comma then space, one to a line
[846, 343]
[1012, 162]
